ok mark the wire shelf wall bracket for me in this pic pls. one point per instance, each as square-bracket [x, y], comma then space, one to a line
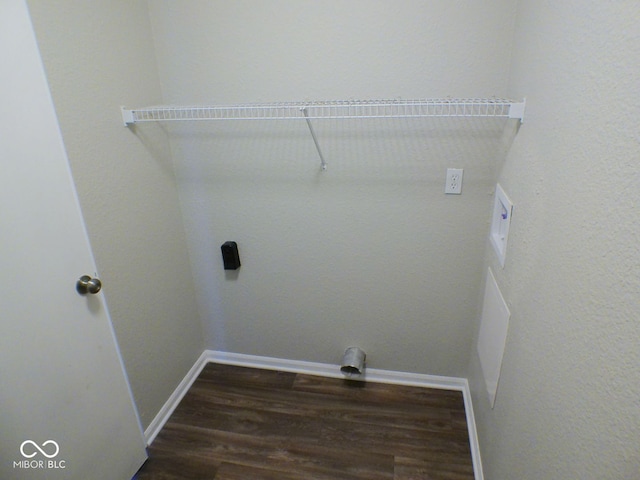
[337, 109]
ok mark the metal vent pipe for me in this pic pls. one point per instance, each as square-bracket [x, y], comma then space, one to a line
[353, 361]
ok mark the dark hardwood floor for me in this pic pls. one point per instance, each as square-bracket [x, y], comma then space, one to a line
[242, 423]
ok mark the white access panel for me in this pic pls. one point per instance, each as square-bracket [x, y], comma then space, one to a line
[494, 324]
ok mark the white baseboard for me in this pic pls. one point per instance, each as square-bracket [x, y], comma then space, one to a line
[473, 433]
[170, 405]
[324, 370]
[333, 371]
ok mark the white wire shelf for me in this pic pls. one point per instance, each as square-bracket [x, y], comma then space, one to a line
[449, 107]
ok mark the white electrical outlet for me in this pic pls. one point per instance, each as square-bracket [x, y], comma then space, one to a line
[453, 183]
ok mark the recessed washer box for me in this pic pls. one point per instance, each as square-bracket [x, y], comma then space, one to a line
[500, 221]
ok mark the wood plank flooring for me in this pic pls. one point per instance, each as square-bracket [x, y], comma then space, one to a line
[241, 423]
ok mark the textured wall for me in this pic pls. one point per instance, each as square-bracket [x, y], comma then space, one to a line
[568, 400]
[370, 252]
[98, 56]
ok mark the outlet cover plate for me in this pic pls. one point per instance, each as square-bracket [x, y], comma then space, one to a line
[453, 184]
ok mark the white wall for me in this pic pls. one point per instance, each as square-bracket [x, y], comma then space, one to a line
[99, 55]
[567, 404]
[370, 252]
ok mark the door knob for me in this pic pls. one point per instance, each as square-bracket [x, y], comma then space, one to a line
[86, 284]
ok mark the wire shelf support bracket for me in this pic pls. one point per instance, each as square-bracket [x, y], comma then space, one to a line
[323, 164]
